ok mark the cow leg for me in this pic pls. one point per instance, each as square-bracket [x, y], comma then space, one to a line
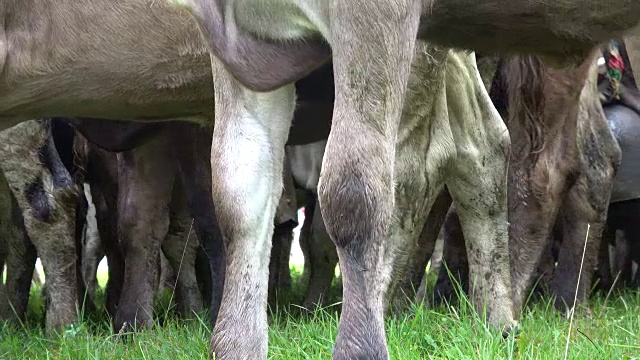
[180, 247]
[454, 260]
[565, 277]
[546, 267]
[531, 217]
[166, 277]
[247, 154]
[48, 196]
[21, 262]
[372, 53]
[102, 175]
[412, 280]
[146, 180]
[286, 219]
[105, 201]
[477, 184]
[194, 169]
[87, 298]
[622, 258]
[628, 240]
[635, 255]
[92, 252]
[203, 273]
[279, 272]
[605, 274]
[322, 258]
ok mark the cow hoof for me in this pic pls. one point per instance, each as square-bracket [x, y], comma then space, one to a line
[123, 325]
[512, 330]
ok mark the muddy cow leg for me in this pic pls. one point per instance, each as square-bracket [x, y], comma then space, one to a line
[246, 157]
[180, 247]
[192, 148]
[477, 185]
[146, 179]
[409, 286]
[48, 196]
[322, 258]
[21, 261]
[356, 190]
[454, 261]
[63, 136]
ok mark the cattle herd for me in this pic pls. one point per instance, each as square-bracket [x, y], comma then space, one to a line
[378, 117]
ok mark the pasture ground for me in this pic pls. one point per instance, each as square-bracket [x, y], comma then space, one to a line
[610, 330]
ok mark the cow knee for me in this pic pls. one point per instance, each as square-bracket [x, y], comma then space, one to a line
[355, 204]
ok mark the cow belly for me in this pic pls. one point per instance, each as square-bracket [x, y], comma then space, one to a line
[625, 125]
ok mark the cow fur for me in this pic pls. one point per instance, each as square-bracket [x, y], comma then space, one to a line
[48, 198]
[562, 169]
[264, 45]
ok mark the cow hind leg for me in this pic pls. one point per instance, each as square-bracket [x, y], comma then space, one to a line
[455, 266]
[571, 266]
[247, 154]
[194, 165]
[584, 214]
[146, 180]
[286, 219]
[409, 287]
[356, 188]
[605, 274]
[21, 261]
[47, 195]
[323, 258]
[180, 247]
[478, 187]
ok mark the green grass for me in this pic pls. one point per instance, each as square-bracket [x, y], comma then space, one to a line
[611, 330]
